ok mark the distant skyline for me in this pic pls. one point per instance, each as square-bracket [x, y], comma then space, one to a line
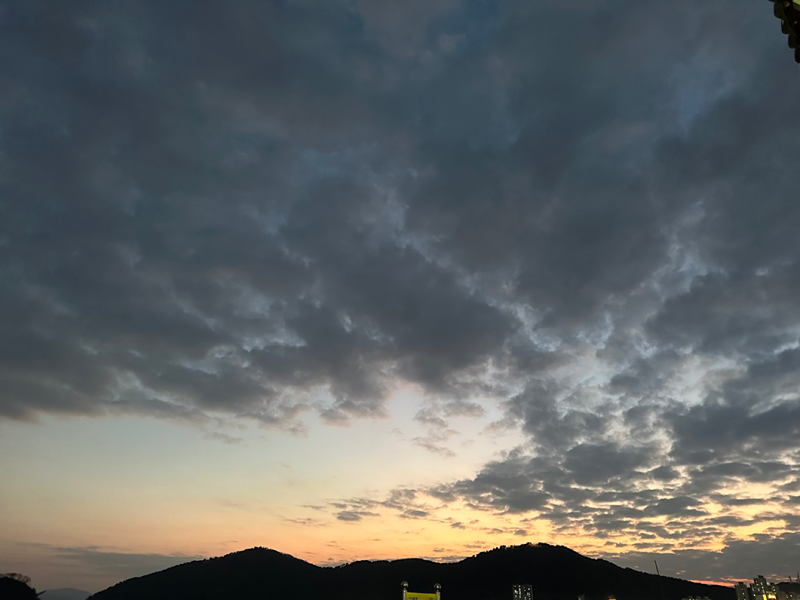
[363, 279]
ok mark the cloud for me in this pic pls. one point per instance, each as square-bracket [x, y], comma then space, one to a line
[587, 221]
[433, 446]
[209, 265]
[762, 554]
[113, 565]
[675, 507]
[414, 514]
[354, 515]
[405, 502]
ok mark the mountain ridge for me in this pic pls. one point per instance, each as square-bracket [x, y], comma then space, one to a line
[64, 594]
[555, 572]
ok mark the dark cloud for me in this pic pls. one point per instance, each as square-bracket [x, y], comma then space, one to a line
[414, 514]
[763, 554]
[111, 565]
[597, 464]
[680, 506]
[354, 515]
[160, 246]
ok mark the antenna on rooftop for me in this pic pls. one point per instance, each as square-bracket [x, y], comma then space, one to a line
[660, 584]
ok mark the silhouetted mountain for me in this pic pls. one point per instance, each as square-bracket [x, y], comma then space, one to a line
[65, 594]
[556, 573]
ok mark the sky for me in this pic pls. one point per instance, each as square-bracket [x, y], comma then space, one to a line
[366, 279]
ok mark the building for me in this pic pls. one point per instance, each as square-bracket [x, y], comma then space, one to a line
[742, 593]
[522, 591]
[788, 590]
[761, 589]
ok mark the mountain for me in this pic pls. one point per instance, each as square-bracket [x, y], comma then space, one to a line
[65, 594]
[556, 573]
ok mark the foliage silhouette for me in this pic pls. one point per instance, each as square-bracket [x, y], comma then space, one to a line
[15, 587]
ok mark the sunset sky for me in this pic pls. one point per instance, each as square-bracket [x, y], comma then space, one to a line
[361, 279]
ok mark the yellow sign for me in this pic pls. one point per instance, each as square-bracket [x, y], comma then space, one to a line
[418, 596]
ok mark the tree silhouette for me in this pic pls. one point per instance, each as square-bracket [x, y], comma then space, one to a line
[788, 11]
[14, 586]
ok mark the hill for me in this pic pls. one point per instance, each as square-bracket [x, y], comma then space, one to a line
[556, 573]
[64, 594]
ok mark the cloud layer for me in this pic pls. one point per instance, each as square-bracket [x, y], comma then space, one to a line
[264, 210]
